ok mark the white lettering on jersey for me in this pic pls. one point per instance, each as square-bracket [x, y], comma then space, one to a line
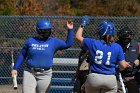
[39, 47]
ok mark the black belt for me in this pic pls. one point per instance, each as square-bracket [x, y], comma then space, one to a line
[38, 69]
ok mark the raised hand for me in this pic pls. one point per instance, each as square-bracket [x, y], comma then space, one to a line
[70, 24]
[85, 20]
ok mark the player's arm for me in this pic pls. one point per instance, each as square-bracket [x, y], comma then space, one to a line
[61, 44]
[70, 36]
[121, 59]
[79, 33]
[123, 65]
[79, 36]
[19, 60]
[21, 57]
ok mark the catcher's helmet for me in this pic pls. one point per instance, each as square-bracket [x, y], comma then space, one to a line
[106, 28]
[125, 33]
[43, 25]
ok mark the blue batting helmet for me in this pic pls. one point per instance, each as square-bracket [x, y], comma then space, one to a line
[43, 24]
[106, 28]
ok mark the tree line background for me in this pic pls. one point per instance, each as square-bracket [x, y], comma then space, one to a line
[70, 7]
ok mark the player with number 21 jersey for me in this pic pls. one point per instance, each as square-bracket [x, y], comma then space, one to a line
[104, 56]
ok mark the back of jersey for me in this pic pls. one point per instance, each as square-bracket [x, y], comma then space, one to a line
[104, 57]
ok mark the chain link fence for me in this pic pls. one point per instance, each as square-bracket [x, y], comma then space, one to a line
[14, 30]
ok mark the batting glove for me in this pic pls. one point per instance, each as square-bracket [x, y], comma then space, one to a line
[85, 21]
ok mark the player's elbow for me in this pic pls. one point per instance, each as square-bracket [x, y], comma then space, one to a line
[69, 45]
[79, 39]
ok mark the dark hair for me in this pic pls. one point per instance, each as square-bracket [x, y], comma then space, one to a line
[108, 39]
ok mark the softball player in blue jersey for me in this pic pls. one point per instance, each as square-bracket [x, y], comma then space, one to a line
[105, 54]
[39, 52]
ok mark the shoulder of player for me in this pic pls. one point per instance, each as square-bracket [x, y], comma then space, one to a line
[54, 39]
[36, 38]
[116, 44]
[88, 38]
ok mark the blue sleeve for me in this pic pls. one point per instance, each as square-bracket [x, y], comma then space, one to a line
[120, 54]
[61, 44]
[22, 55]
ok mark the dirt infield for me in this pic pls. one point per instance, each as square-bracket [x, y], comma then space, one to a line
[9, 89]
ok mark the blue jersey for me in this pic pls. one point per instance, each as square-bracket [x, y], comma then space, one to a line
[40, 53]
[104, 57]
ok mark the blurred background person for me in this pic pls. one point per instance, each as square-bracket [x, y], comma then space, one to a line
[82, 71]
[131, 51]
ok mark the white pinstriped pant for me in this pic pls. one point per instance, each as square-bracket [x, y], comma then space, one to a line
[36, 82]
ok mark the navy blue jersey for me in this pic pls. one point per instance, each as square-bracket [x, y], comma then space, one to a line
[104, 57]
[40, 53]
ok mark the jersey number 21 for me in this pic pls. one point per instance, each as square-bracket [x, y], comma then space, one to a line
[99, 56]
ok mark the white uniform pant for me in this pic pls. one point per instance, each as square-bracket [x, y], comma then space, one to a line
[36, 82]
[100, 83]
